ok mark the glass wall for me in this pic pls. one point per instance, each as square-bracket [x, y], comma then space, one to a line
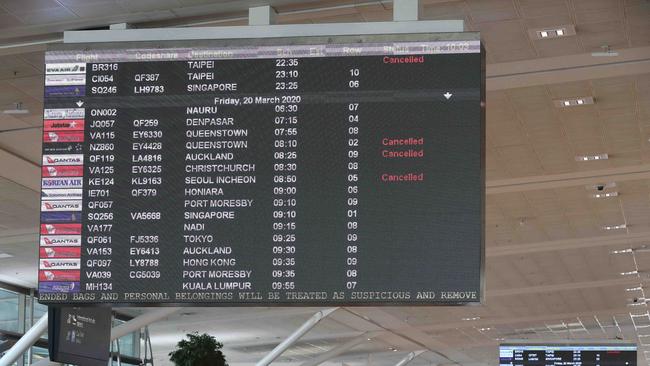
[9, 311]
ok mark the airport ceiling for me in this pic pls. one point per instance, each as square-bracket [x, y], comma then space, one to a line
[552, 237]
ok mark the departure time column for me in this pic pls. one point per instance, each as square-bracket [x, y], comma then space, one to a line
[285, 179]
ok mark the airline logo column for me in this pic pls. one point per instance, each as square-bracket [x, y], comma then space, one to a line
[62, 178]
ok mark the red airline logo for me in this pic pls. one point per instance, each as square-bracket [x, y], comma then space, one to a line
[63, 125]
[60, 252]
[63, 171]
[60, 229]
[63, 136]
[59, 275]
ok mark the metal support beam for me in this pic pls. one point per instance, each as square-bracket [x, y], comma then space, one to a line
[622, 281]
[306, 327]
[263, 31]
[635, 172]
[261, 15]
[406, 10]
[632, 239]
[25, 342]
[338, 350]
[562, 69]
[408, 358]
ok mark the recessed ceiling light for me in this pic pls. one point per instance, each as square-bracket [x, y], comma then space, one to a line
[615, 227]
[472, 318]
[638, 288]
[605, 195]
[629, 273]
[5, 255]
[552, 32]
[622, 251]
[592, 157]
[573, 102]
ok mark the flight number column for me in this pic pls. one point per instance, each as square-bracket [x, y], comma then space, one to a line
[352, 186]
[285, 168]
[100, 168]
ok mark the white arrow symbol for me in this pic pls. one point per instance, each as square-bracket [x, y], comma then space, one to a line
[80, 103]
[447, 95]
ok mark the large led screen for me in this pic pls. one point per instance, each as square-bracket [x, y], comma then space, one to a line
[309, 171]
[568, 355]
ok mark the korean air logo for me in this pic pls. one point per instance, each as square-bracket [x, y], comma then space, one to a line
[53, 136]
[76, 182]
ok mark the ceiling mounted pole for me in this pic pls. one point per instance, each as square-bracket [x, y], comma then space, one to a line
[406, 10]
[261, 15]
[308, 325]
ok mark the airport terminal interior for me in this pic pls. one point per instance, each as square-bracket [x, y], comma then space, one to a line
[563, 241]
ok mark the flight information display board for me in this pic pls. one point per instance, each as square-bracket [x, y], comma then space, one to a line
[568, 355]
[302, 171]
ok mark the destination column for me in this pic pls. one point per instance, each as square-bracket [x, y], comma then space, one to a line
[219, 178]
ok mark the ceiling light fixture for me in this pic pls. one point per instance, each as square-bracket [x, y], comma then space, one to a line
[638, 288]
[573, 102]
[552, 32]
[5, 255]
[615, 227]
[630, 273]
[592, 157]
[470, 319]
[622, 251]
[605, 195]
[17, 110]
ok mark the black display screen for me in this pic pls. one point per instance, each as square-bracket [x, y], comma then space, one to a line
[568, 355]
[79, 336]
[309, 171]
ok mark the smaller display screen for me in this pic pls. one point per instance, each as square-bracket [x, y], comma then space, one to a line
[79, 336]
[567, 355]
